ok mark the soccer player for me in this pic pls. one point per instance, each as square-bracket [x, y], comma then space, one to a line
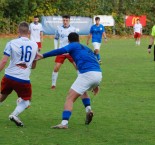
[96, 32]
[62, 35]
[137, 31]
[36, 32]
[22, 53]
[152, 38]
[89, 77]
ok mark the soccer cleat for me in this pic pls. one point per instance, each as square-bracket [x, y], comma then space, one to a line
[53, 87]
[60, 126]
[100, 62]
[16, 120]
[89, 116]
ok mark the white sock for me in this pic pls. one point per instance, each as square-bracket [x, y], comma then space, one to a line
[136, 42]
[54, 78]
[88, 108]
[21, 106]
[139, 42]
[64, 122]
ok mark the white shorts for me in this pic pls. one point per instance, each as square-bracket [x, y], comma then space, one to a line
[86, 81]
[96, 45]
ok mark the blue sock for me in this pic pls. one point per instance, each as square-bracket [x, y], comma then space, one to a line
[66, 115]
[86, 102]
[98, 56]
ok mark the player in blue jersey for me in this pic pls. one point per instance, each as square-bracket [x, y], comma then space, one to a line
[96, 32]
[89, 77]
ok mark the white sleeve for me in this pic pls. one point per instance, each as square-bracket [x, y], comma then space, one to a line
[7, 50]
[41, 28]
[56, 35]
[55, 43]
[30, 27]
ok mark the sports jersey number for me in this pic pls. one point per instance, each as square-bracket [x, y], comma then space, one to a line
[26, 53]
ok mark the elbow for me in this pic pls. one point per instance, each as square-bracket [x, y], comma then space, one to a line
[4, 62]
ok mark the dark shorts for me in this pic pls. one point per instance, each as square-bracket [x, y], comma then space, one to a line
[61, 58]
[22, 89]
[137, 35]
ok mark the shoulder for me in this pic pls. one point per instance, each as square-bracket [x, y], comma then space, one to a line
[40, 24]
[31, 24]
[72, 27]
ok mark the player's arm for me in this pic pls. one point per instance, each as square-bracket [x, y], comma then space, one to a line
[141, 30]
[151, 43]
[105, 36]
[88, 38]
[56, 40]
[3, 62]
[41, 36]
[34, 63]
[151, 39]
[54, 52]
[133, 29]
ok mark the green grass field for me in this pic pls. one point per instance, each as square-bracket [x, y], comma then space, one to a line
[124, 109]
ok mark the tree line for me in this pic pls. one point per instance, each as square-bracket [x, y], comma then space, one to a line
[14, 11]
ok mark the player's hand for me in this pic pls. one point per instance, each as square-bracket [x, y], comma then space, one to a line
[87, 42]
[39, 56]
[105, 40]
[149, 50]
[95, 90]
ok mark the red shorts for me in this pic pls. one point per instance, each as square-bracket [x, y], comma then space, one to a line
[61, 58]
[137, 35]
[39, 45]
[23, 90]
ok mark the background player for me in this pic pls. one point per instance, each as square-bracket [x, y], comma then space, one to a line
[62, 35]
[152, 38]
[22, 53]
[96, 32]
[36, 32]
[137, 31]
[88, 79]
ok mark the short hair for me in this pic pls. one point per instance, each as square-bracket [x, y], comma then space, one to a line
[66, 16]
[138, 19]
[36, 16]
[23, 28]
[97, 18]
[73, 37]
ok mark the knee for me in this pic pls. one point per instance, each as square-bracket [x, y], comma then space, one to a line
[56, 68]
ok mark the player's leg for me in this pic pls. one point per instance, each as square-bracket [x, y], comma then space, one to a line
[59, 60]
[97, 50]
[3, 97]
[71, 98]
[83, 83]
[6, 89]
[138, 39]
[135, 36]
[24, 92]
[87, 103]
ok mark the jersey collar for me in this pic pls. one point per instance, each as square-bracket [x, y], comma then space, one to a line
[65, 27]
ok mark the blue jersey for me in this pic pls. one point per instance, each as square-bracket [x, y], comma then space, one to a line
[83, 57]
[97, 32]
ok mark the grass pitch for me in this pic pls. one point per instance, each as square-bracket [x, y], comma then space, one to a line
[124, 109]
